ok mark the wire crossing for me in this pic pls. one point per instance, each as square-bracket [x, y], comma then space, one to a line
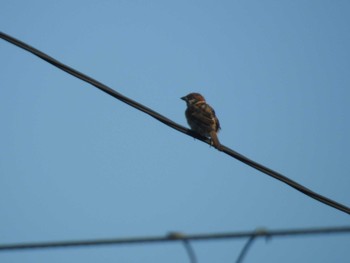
[174, 125]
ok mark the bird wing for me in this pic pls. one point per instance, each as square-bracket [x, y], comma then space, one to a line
[203, 115]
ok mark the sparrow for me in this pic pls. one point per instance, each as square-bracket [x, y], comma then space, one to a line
[201, 118]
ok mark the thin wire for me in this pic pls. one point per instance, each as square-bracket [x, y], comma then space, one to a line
[174, 125]
[245, 249]
[190, 251]
[169, 238]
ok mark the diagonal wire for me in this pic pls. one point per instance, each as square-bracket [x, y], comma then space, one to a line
[174, 125]
[249, 243]
[170, 238]
[245, 249]
[189, 249]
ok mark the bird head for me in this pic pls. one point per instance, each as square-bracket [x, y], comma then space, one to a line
[193, 98]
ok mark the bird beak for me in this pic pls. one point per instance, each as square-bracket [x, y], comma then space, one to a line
[184, 98]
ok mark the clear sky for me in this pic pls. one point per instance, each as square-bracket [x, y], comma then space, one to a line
[77, 164]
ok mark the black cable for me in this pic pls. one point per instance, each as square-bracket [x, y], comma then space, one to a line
[174, 125]
[170, 238]
[287, 181]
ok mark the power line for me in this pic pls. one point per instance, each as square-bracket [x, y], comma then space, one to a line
[182, 238]
[245, 249]
[174, 125]
[189, 249]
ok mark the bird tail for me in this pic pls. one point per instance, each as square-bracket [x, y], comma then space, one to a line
[215, 140]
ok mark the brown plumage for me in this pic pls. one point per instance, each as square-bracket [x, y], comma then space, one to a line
[201, 118]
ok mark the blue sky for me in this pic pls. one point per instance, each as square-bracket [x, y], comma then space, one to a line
[77, 164]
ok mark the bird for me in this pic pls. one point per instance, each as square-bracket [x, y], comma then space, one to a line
[201, 118]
